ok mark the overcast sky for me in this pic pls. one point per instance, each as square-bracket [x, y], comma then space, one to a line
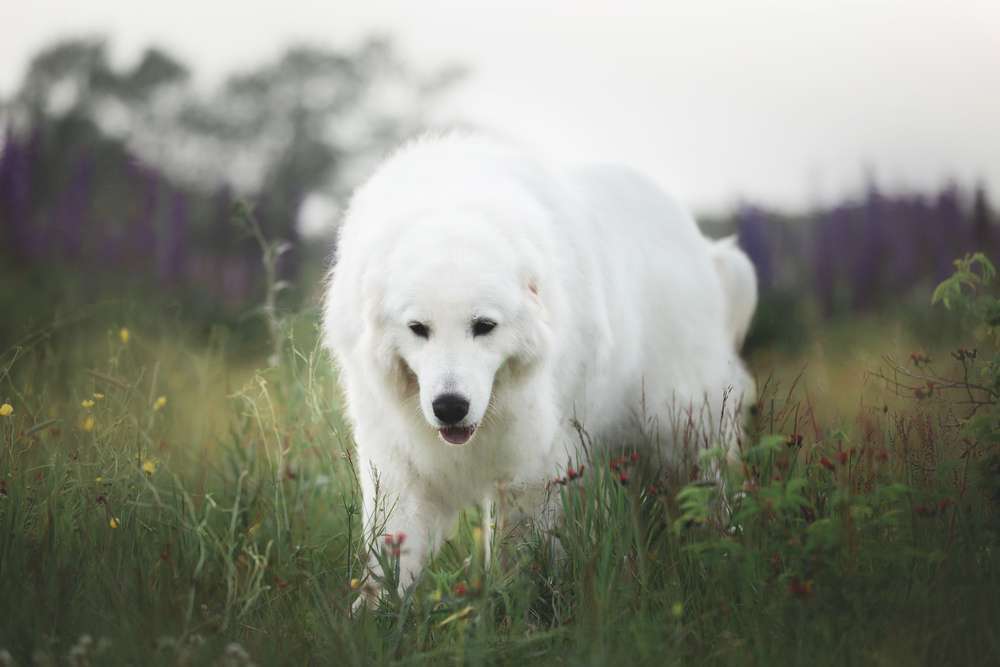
[785, 102]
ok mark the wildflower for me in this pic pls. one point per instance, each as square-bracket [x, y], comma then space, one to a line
[87, 404]
[98, 396]
[124, 335]
[149, 466]
[6, 410]
[623, 478]
[114, 523]
[677, 610]
[395, 543]
[88, 423]
[355, 584]
[825, 462]
[842, 458]
[98, 479]
[460, 589]
[799, 588]
[159, 403]
[634, 457]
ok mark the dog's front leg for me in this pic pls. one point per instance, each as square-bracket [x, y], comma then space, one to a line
[401, 528]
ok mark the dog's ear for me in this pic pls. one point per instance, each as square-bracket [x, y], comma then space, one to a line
[536, 334]
[344, 308]
[533, 290]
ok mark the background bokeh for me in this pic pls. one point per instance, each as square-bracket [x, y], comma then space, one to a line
[848, 144]
[178, 483]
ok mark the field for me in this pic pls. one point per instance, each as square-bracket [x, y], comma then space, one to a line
[167, 498]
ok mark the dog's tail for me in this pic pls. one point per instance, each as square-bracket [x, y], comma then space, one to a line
[739, 283]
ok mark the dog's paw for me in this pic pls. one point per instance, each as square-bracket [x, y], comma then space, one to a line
[367, 599]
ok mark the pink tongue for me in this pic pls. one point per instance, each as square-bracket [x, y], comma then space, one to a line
[457, 435]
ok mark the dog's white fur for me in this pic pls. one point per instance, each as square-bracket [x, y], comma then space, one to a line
[611, 309]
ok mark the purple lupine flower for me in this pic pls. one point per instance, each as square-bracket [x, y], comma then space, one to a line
[72, 210]
[869, 253]
[833, 247]
[982, 220]
[752, 233]
[142, 227]
[948, 230]
[171, 253]
[16, 162]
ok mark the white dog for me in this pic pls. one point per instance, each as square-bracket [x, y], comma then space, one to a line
[482, 303]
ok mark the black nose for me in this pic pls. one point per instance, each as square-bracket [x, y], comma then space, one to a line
[450, 408]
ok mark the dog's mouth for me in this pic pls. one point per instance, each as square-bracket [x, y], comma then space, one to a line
[457, 435]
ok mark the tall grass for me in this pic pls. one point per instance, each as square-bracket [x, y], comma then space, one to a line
[162, 503]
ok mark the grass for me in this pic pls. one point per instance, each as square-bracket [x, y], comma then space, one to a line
[221, 526]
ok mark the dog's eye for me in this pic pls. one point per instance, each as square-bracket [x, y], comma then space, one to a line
[420, 329]
[482, 327]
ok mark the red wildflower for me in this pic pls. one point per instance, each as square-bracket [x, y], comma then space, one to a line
[825, 462]
[394, 541]
[799, 588]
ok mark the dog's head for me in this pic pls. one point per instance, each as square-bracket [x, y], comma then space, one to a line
[444, 312]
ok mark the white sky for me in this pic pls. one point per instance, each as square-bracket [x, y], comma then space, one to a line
[785, 102]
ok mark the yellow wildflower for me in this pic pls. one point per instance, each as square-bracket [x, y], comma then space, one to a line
[677, 610]
[159, 403]
[87, 404]
[149, 466]
[98, 479]
[98, 396]
[355, 584]
[6, 409]
[114, 522]
[124, 334]
[88, 423]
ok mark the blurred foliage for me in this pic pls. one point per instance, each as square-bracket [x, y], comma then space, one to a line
[869, 254]
[161, 504]
[123, 180]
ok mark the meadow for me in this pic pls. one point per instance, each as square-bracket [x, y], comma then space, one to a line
[169, 497]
